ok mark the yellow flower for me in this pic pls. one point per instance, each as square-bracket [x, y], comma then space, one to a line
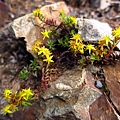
[9, 109]
[21, 94]
[72, 43]
[48, 59]
[46, 34]
[73, 19]
[90, 47]
[37, 12]
[27, 93]
[73, 46]
[35, 48]
[101, 44]
[77, 46]
[7, 93]
[102, 52]
[106, 40]
[46, 52]
[116, 32]
[77, 37]
[62, 12]
[81, 48]
[41, 50]
[37, 43]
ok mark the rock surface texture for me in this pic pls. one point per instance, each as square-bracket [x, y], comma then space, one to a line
[113, 83]
[3, 13]
[93, 30]
[76, 99]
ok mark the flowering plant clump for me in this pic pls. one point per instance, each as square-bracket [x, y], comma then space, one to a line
[76, 44]
[59, 43]
[66, 36]
[43, 52]
[22, 98]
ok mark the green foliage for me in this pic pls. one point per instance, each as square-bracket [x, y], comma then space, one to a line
[33, 67]
[82, 61]
[92, 58]
[51, 45]
[72, 32]
[63, 42]
[24, 73]
[29, 70]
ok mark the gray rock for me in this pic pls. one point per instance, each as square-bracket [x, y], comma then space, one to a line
[2, 101]
[104, 4]
[13, 60]
[101, 4]
[95, 3]
[93, 30]
[98, 84]
[75, 100]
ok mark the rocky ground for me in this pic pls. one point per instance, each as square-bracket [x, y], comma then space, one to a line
[13, 54]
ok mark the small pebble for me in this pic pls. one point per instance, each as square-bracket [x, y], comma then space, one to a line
[20, 56]
[2, 101]
[98, 84]
[2, 60]
[13, 61]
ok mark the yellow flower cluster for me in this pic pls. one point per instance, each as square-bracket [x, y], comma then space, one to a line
[7, 93]
[23, 97]
[105, 41]
[116, 32]
[9, 109]
[36, 46]
[90, 47]
[43, 52]
[37, 12]
[104, 45]
[73, 20]
[77, 45]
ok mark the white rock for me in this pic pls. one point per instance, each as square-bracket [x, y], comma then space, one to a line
[104, 4]
[93, 30]
[118, 45]
[61, 86]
